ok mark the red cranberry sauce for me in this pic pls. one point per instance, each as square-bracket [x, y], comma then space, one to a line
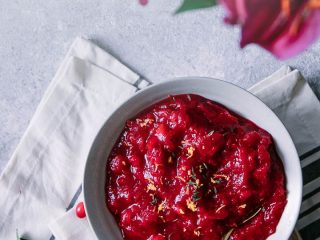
[189, 168]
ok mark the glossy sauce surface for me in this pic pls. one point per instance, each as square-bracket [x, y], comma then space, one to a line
[189, 168]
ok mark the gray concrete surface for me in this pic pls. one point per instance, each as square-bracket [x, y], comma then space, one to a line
[35, 35]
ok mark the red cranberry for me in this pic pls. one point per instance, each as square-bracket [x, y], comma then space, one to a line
[80, 211]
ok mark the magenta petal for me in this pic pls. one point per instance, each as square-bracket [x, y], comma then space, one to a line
[261, 16]
[288, 45]
[263, 22]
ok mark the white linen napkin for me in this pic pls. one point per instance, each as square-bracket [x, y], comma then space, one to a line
[45, 171]
[43, 177]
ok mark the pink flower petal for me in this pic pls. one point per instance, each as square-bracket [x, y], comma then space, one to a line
[265, 23]
[288, 44]
[261, 16]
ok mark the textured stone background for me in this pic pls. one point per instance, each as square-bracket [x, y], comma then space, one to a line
[35, 36]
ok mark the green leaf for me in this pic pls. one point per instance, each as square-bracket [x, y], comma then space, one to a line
[189, 5]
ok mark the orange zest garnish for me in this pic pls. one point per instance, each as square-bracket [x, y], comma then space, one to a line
[181, 211]
[151, 187]
[162, 206]
[178, 177]
[221, 176]
[222, 206]
[190, 151]
[191, 205]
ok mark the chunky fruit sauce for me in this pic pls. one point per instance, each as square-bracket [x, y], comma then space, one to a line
[189, 168]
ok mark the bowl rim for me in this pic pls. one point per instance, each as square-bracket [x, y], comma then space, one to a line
[294, 215]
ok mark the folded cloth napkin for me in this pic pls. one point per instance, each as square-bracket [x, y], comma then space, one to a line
[45, 171]
[43, 176]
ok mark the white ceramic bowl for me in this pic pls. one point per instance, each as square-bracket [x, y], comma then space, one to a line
[233, 97]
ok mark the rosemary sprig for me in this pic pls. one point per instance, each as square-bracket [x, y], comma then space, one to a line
[210, 133]
[205, 165]
[218, 181]
[193, 175]
[191, 183]
[228, 234]
[154, 199]
[215, 190]
[252, 216]
[196, 184]
[195, 196]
